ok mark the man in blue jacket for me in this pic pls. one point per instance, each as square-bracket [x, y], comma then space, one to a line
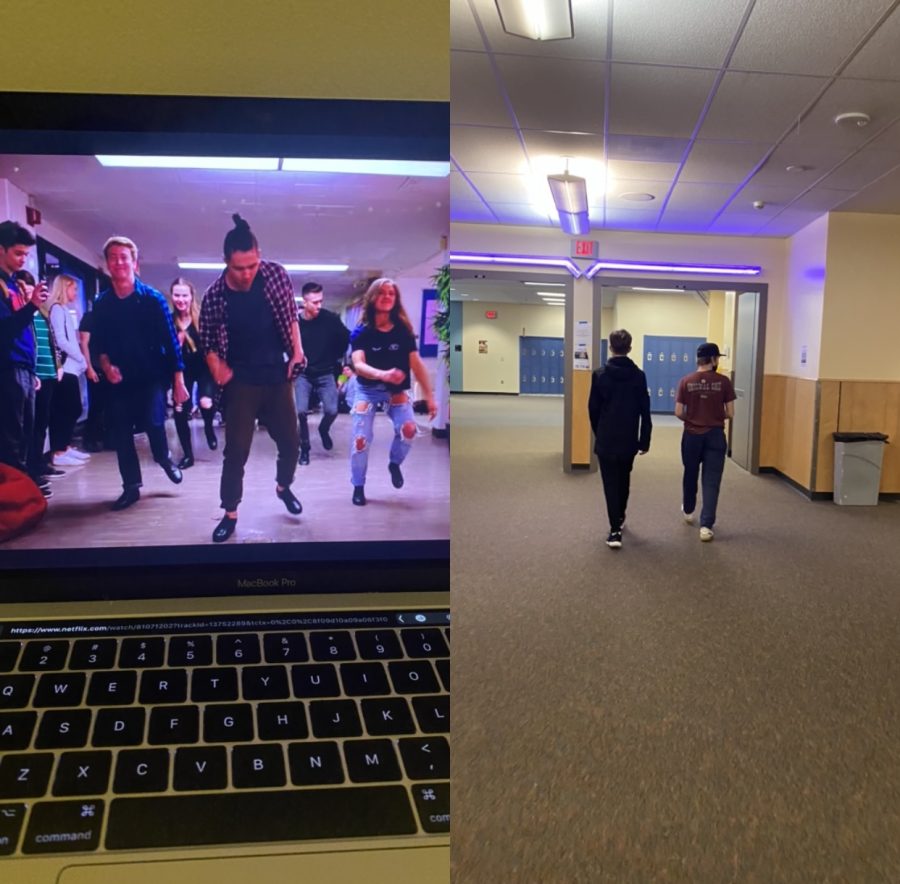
[619, 408]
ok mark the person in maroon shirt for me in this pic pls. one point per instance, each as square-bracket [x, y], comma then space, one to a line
[705, 400]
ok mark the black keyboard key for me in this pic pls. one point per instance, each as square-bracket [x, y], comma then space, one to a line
[314, 680]
[285, 647]
[281, 721]
[214, 685]
[141, 770]
[64, 729]
[11, 818]
[387, 716]
[371, 761]
[82, 773]
[414, 677]
[142, 653]
[64, 689]
[315, 764]
[237, 649]
[424, 643]
[332, 646]
[64, 826]
[378, 644]
[426, 759]
[112, 689]
[228, 723]
[16, 729]
[163, 686]
[90, 653]
[42, 656]
[443, 671]
[25, 776]
[256, 767]
[249, 817]
[9, 653]
[119, 727]
[364, 679]
[334, 718]
[200, 768]
[432, 802]
[265, 683]
[433, 714]
[190, 650]
[173, 725]
[15, 690]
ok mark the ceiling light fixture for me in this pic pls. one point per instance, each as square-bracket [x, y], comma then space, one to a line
[551, 294]
[547, 284]
[852, 119]
[241, 164]
[410, 168]
[570, 198]
[291, 268]
[636, 196]
[537, 19]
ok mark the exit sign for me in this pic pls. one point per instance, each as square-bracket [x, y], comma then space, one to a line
[490, 314]
[585, 248]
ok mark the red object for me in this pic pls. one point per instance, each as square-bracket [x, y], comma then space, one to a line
[22, 505]
[32, 216]
[490, 314]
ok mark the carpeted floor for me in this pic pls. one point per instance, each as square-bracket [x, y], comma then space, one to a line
[671, 711]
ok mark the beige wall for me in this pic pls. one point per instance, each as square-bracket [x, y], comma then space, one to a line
[297, 48]
[861, 298]
[497, 371]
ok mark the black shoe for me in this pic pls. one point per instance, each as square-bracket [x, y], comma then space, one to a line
[185, 463]
[50, 472]
[172, 472]
[211, 439]
[327, 442]
[128, 497]
[47, 492]
[291, 504]
[41, 481]
[224, 529]
[304, 457]
[614, 541]
[359, 495]
[396, 475]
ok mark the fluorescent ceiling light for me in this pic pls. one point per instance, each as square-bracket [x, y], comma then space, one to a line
[537, 19]
[548, 284]
[253, 164]
[413, 168]
[291, 268]
[636, 288]
[569, 194]
[551, 294]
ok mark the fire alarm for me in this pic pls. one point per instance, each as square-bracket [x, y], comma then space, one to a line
[32, 216]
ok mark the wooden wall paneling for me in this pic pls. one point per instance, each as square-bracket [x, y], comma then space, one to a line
[770, 444]
[829, 397]
[874, 406]
[582, 436]
[797, 428]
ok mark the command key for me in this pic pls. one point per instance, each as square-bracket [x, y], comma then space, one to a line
[64, 826]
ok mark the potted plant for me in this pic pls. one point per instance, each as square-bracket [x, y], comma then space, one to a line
[441, 327]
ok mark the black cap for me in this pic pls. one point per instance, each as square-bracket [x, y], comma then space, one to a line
[707, 351]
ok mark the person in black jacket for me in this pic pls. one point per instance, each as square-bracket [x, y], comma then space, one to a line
[619, 408]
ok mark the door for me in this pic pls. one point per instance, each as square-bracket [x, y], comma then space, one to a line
[747, 365]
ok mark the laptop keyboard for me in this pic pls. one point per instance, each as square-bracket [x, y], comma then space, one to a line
[169, 735]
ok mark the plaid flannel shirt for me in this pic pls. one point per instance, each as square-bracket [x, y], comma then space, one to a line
[279, 294]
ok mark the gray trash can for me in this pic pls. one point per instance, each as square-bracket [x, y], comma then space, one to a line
[857, 468]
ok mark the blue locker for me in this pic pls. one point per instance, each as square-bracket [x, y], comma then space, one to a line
[541, 365]
[667, 359]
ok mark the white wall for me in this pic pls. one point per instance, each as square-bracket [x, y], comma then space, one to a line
[645, 313]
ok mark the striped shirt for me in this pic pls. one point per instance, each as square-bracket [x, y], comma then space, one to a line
[45, 366]
[279, 295]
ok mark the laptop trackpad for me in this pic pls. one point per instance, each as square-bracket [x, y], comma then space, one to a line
[420, 865]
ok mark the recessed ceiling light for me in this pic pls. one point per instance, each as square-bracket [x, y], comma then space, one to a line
[548, 285]
[852, 119]
[551, 294]
[636, 196]
[798, 167]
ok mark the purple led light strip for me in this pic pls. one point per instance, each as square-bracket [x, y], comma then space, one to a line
[722, 269]
[515, 260]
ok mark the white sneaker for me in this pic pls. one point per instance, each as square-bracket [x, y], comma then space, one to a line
[66, 459]
[688, 517]
[80, 455]
[706, 534]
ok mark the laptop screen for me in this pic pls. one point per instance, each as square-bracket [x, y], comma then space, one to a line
[340, 193]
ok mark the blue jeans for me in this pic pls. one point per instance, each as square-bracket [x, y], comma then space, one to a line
[326, 386]
[400, 413]
[707, 450]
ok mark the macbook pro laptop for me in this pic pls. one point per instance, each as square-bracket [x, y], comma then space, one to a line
[275, 707]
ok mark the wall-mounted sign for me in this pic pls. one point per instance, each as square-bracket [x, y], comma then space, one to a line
[585, 248]
[482, 346]
[490, 314]
[582, 345]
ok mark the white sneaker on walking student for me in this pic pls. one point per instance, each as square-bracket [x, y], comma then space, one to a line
[688, 517]
[706, 534]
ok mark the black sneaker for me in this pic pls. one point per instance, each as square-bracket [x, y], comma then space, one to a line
[396, 475]
[304, 457]
[50, 472]
[327, 442]
[290, 502]
[614, 541]
[224, 529]
[359, 495]
[47, 492]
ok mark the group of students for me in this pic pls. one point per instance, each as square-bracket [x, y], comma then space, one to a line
[619, 411]
[241, 348]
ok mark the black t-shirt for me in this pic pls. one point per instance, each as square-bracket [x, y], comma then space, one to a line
[324, 342]
[255, 352]
[385, 350]
[131, 354]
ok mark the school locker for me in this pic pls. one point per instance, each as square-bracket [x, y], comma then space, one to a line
[667, 359]
[541, 365]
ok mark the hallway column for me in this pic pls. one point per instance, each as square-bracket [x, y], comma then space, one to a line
[582, 330]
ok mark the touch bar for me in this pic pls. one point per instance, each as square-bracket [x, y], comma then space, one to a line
[248, 817]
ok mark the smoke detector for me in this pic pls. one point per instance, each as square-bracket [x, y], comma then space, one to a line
[852, 119]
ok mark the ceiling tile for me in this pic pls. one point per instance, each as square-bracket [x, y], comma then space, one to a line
[521, 213]
[789, 222]
[464, 33]
[758, 107]
[725, 162]
[796, 152]
[738, 224]
[658, 188]
[882, 197]
[797, 38]
[661, 101]
[630, 219]
[554, 93]
[486, 149]
[502, 188]
[685, 222]
[863, 169]
[879, 99]
[622, 170]
[705, 197]
[691, 32]
[470, 210]
[563, 144]
[820, 199]
[460, 189]
[644, 149]
[775, 196]
[879, 58]
[476, 96]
